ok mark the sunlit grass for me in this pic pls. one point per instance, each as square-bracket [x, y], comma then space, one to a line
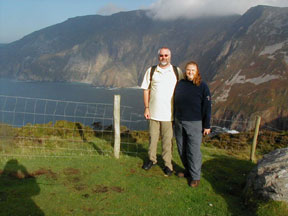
[57, 176]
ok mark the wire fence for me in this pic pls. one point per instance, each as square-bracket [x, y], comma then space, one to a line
[44, 127]
[36, 127]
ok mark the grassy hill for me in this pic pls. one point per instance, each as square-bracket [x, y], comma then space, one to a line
[43, 173]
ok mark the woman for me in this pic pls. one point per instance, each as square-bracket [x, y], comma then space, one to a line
[192, 119]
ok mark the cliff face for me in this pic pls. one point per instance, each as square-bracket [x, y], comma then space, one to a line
[111, 50]
[243, 58]
[252, 76]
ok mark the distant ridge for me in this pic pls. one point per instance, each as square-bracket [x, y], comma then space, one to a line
[243, 58]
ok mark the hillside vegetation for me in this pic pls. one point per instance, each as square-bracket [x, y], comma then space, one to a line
[68, 169]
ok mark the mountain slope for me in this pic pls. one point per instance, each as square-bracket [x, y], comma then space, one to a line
[243, 58]
[252, 77]
[108, 51]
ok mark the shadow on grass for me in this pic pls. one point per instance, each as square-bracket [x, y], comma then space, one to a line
[99, 150]
[227, 176]
[81, 131]
[17, 187]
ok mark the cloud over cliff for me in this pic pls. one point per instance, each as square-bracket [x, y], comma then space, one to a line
[172, 9]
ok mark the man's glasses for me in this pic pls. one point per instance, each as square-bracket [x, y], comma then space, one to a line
[166, 55]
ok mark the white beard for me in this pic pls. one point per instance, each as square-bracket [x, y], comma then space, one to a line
[163, 63]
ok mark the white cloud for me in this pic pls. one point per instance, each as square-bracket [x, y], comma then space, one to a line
[171, 9]
[109, 9]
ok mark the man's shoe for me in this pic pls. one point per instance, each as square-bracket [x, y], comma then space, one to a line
[148, 165]
[194, 183]
[167, 171]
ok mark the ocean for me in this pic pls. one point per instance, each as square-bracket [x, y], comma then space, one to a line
[23, 102]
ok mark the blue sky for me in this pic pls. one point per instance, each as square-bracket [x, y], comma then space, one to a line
[21, 17]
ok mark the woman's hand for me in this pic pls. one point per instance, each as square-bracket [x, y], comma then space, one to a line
[206, 131]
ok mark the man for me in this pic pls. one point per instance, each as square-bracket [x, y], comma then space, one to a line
[158, 101]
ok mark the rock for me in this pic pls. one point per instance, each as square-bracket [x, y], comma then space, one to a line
[269, 179]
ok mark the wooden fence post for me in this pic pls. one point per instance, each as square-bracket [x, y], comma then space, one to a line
[117, 138]
[253, 148]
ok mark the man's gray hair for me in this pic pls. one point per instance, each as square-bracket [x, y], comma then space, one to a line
[164, 48]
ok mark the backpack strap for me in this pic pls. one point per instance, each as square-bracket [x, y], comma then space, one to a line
[153, 68]
[175, 69]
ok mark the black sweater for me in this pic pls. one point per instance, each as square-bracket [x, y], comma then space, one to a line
[193, 103]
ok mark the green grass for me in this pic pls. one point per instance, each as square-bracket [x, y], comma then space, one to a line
[103, 185]
[61, 181]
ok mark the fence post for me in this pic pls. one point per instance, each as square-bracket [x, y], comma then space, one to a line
[117, 99]
[253, 148]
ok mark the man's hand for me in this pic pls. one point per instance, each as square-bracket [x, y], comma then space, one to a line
[147, 113]
[206, 131]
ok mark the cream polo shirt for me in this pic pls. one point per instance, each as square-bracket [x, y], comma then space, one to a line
[161, 92]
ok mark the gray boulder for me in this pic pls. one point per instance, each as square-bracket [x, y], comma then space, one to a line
[269, 179]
